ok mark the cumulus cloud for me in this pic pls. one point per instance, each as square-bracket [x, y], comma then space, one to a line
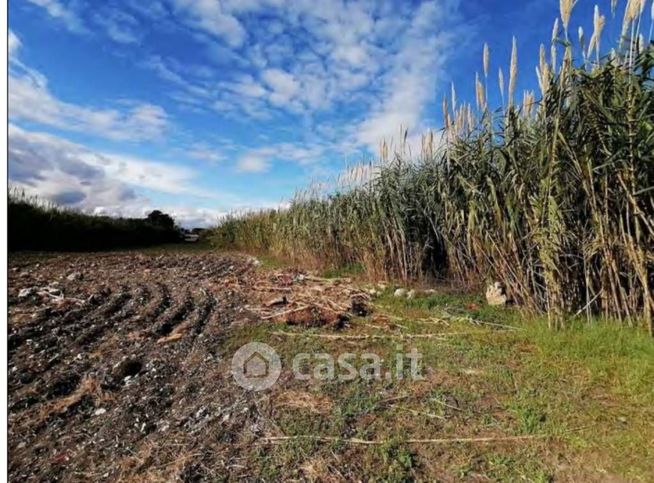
[259, 160]
[30, 99]
[62, 13]
[348, 73]
[203, 152]
[283, 85]
[13, 44]
[98, 182]
[409, 85]
[248, 87]
[211, 17]
[119, 26]
[55, 169]
[253, 163]
[45, 161]
[378, 59]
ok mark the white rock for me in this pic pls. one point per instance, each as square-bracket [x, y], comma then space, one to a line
[25, 292]
[495, 294]
[400, 293]
[99, 412]
[73, 277]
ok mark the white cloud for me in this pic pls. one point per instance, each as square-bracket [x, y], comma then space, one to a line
[185, 216]
[284, 86]
[13, 44]
[208, 15]
[346, 72]
[73, 175]
[252, 163]
[248, 87]
[62, 13]
[54, 169]
[205, 153]
[119, 25]
[30, 99]
[38, 159]
[260, 160]
[372, 65]
[410, 84]
[379, 59]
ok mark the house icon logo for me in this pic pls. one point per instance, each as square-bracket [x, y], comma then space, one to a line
[256, 366]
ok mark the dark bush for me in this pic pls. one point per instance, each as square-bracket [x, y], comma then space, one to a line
[34, 225]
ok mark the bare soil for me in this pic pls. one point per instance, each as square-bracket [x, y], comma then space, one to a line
[118, 367]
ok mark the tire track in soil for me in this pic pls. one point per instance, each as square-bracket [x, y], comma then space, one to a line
[60, 368]
[48, 319]
[68, 363]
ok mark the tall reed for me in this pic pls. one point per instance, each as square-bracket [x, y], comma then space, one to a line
[554, 197]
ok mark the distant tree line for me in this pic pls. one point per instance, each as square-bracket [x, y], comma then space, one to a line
[37, 225]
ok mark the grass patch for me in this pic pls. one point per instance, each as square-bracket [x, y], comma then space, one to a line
[348, 270]
[584, 393]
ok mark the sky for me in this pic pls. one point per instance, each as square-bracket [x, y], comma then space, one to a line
[205, 107]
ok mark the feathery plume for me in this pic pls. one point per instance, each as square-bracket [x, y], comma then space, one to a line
[513, 74]
[581, 41]
[481, 97]
[555, 30]
[500, 79]
[553, 58]
[598, 26]
[486, 59]
[632, 12]
[565, 6]
[446, 113]
[543, 71]
[528, 100]
[453, 98]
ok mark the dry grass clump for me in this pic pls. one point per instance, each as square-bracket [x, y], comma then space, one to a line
[87, 387]
[555, 196]
[314, 403]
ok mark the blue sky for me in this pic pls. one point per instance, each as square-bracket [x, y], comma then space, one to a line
[203, 107]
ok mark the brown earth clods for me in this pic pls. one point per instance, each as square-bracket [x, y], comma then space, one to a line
[119, 367]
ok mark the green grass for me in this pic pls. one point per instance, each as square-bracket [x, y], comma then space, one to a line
[584, 393]
[348, 270]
